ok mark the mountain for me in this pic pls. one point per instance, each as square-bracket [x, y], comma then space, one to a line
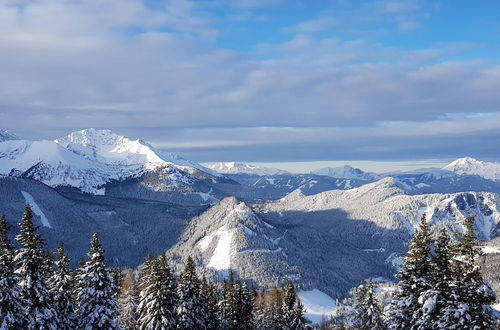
[471, 166]
[91, 159]
[328, 241]
[346, 172]
[242, 168]
[6, 136]
[129, 228]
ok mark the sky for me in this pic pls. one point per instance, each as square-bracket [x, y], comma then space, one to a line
[279, 81]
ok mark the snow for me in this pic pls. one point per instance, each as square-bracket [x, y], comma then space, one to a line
[490, 249]
[6, 136]
[317, 304]
[36, 209]
[346, 172]
[242, 168]
[221, 257]
[88, 159]
[471, 166]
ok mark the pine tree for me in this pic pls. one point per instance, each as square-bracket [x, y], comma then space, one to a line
[246, 308]
[61, 286]
[158, 298]
[128, 302]
[414, 279]
[210, 304]
[190, 310]
[473, 295]
[293, 318]
[12, 305]
[97, 305]
[30, 270]
[368, 314]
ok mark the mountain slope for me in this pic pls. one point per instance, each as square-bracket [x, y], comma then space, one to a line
[242, 168]
[90, 159]
[471, 166]
[346, 172]
[6, 136]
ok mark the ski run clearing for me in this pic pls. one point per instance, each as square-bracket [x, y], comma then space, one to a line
[36, 209]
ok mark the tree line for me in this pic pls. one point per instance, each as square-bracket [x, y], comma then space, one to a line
[440, 286]
[41, 291]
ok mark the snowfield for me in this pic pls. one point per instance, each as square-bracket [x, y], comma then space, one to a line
[317, 305]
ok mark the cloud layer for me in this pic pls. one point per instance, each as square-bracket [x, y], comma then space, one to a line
[155, 70]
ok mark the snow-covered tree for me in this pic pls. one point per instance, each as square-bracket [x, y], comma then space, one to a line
[128, 302]
[12, 305]
[98, 307]
[292, 312]
[210, 304]
[414, 280]
[30, 260]
[190, 309]
[472, 295]
[61, 286]
[245, 305]
[158, 298]
[367, 310]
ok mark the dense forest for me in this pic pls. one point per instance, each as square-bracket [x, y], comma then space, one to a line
[439, 287]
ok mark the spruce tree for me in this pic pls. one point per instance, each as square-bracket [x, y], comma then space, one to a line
[367, 311]
[128, 302]
[473, 295]
[210, 304]
[40, 312]
[190, 310]
[246, 308]
[12, 305]
[414, 279]
[61, 286]
[98, 307]
[293, 317]
[158, 298]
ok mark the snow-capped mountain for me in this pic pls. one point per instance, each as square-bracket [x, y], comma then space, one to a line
[346, 172]
[242, 168]
[6, 135]
[471, 166]
[90, 159]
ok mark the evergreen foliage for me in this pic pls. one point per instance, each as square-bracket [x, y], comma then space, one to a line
[190, 309]
[61, 286]
[367, 310]
[12, 305]
[158, 298]
[414, 279]
[98, 308]
[31, 268]
[128, 303]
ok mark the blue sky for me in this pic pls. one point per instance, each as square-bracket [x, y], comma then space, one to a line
[259, 80]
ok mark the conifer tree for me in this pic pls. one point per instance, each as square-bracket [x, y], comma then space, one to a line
[158, 298]
[61, 286]
[414, 279]
[40, 313]
[98, 307]
[190, 310]
[367, 311]
[12, 305]
[128, 302]
[246, 308]
[473, 295]
[210, 304]
[293, 317]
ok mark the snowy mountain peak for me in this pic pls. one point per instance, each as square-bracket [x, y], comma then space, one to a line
[471, 166]
[110, 148]
[242, 168]
[7, 136]
[346, 172]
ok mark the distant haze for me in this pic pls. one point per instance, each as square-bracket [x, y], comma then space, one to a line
[367, 166]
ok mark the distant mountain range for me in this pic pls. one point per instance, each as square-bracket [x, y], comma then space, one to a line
[327, 229]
